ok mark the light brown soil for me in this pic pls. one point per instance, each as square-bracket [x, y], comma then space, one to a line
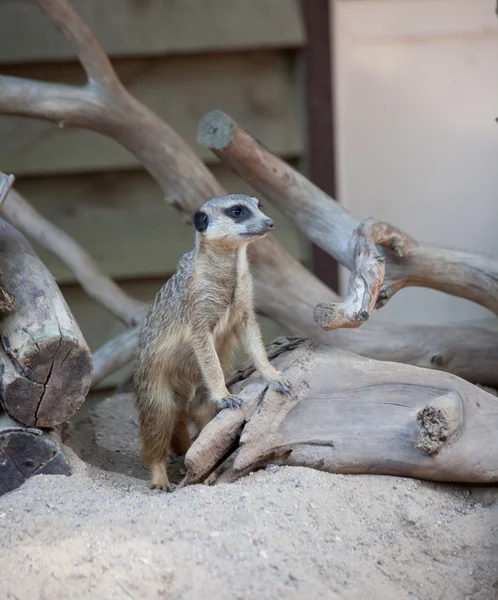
[281, 533]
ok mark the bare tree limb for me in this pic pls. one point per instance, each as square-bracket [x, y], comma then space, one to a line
[94, 281]
[366, 277]
[90, 53]
[326, 223]
[114, 355]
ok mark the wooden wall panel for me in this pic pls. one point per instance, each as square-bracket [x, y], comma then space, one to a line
[128, 27]
[122, 220]
[258, 89]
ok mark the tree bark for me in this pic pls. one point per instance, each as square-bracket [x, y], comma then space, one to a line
[349, 414]
[26, 452]
[46, 363]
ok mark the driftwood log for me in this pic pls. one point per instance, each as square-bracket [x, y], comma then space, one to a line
[350, 414]
[27, 451]
[46, 364]
[285, 290]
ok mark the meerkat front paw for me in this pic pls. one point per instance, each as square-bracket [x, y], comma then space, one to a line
[282, 385]
[230, 401]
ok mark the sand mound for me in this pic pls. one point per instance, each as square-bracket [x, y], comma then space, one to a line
[281, 533]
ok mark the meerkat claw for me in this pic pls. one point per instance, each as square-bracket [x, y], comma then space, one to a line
[283, 386]
[164, 487]
[232, 402]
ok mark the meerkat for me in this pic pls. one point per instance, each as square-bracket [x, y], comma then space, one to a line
[192, 328]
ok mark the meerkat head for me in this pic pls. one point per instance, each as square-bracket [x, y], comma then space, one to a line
[235, 218]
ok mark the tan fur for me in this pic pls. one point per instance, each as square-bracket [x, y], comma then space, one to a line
[188, 338]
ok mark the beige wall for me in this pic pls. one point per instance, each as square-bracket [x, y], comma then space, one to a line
[416, 85]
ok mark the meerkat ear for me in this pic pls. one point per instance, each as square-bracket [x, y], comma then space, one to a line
[201, 221]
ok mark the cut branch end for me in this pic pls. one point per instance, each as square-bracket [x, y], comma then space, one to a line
[216, 130]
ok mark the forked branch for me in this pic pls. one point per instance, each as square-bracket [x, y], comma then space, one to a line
[326, 223]
[366, 277]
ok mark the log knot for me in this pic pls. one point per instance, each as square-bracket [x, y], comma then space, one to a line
[435, 429]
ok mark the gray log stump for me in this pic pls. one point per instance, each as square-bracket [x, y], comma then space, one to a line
[25, 452]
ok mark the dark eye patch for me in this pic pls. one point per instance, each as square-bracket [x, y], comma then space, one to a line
[238, 213]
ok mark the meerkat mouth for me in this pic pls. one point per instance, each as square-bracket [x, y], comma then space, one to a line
[250, 234]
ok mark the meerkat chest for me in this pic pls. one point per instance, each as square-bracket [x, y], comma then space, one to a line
[224, 292]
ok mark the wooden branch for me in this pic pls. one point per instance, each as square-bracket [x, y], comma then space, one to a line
[93, 280]
[353, 415]
[26, 452]
[366, 277]
[89, 52]
[46, 364]
[327, 224]
[114, 355]
[285, 290]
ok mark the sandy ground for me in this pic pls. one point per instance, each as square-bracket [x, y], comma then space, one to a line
[280, 533]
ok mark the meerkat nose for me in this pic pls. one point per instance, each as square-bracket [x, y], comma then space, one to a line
[269, 223]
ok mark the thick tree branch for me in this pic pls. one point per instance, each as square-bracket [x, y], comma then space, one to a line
[94, 281]
[330, 226]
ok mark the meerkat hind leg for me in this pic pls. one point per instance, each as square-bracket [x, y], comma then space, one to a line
[180, 440]
[157, 421]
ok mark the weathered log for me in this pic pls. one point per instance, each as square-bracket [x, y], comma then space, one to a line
[26, 219]
[45, 361]
[330, 226]
[26, 452]
[349, 414]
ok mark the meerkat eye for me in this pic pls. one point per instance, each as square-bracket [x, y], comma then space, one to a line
[237, 212]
